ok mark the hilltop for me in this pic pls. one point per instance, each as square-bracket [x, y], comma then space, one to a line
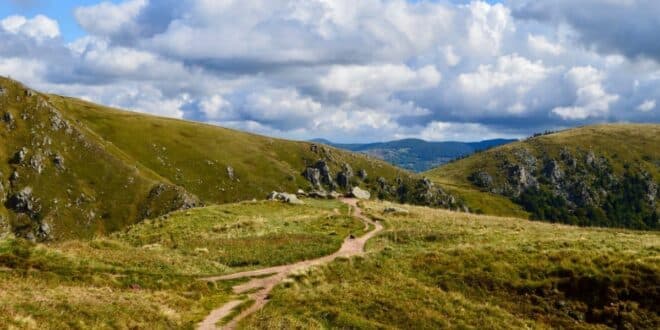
[418, 155]
[604, 175]
[71, 168]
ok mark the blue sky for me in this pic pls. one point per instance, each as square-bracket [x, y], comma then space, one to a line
[344, 70]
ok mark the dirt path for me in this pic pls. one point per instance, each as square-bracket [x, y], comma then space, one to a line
[260, 288]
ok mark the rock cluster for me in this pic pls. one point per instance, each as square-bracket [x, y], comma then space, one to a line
[285, 197]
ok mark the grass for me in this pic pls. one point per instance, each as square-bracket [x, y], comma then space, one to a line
[113, 159]
[437, 269]
[146, 276]
[621, 144]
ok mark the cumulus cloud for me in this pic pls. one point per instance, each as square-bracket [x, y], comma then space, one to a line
[647, 106]
[591, 98]
[352, 71]
[40, 27]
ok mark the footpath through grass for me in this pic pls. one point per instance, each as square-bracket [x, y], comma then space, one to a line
[436, 269]
[146, 277]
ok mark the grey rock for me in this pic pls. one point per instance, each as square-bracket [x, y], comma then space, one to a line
[13, 178]
[284, 197]
[230, 172]
[568, 159]
[359, 193]
[326, 175]
[29, 93]
[313, 175]
[44, 231]
[19, 156]
[23, 202]
[8, 118]
[521, 179]
[482, 179]
[362, 174]
[37, 163]
[58, 160]
[319, 194]
[553, 171]
[344, 177]
[334, 195]
[3, 91]
[301, 192]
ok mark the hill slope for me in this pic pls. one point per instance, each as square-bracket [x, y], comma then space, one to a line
[605, 175]
[72, 168]
[418, 155]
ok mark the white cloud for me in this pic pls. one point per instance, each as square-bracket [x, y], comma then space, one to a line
[591, 98]
[647, 106]
[541, 44]
[108, 18]
[40, 27]
[358, 80]
[215, 107]
[510, 70]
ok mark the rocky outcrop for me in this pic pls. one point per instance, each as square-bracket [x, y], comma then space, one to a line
[344, 177]
[313, 175]
[362, 174]
[285, 197]
[482, 179]
[230, 173]
[360, 193]
[166, 198]
[521, 179]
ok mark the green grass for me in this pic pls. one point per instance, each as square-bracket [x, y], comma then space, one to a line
[147, 276]
[436, 269]
[113, 159]
[620, 144]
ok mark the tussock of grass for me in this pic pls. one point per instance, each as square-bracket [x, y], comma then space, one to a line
[435, 269]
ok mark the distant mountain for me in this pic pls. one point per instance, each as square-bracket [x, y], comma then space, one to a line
[418, 155]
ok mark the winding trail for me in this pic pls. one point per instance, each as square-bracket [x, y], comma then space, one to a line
[260, 288]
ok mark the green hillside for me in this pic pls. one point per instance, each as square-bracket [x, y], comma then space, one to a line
[605, 175]
[71, 168]
[429, 269]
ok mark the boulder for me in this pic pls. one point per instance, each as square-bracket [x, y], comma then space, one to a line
[301, 192]
[284, 197]
[326, 175]
[23, 202]
[319, 194]
[230, 173]
[362, 174]
[482, 179]
[334, 195]
[19, 156]
[344, 177]
[359, 193]
[313, 175]
[8, 118]
[58, 160]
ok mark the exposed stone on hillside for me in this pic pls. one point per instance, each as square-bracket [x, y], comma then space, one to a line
[521, 179]
[579, 187]
[359, 193]
[482, 179]
[58, 160]
[165, 198]
[37, 163]
[23, 202]
[230, 173]
[344, 177]
[8, 118]
[285, 197]
[19, 156]
[553, 171]
[313, 175]
[362, 174]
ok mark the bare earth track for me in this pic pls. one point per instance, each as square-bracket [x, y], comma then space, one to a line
[260, 288]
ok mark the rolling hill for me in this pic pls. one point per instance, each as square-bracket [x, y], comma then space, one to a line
[604, 175]
[71, 168]
[418, 155]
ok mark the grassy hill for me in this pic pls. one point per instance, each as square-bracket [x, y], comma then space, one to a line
[605, 175]
[418, 155]
[429, 269]
[70, 168]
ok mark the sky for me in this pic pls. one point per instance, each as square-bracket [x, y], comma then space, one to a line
[347, 70]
